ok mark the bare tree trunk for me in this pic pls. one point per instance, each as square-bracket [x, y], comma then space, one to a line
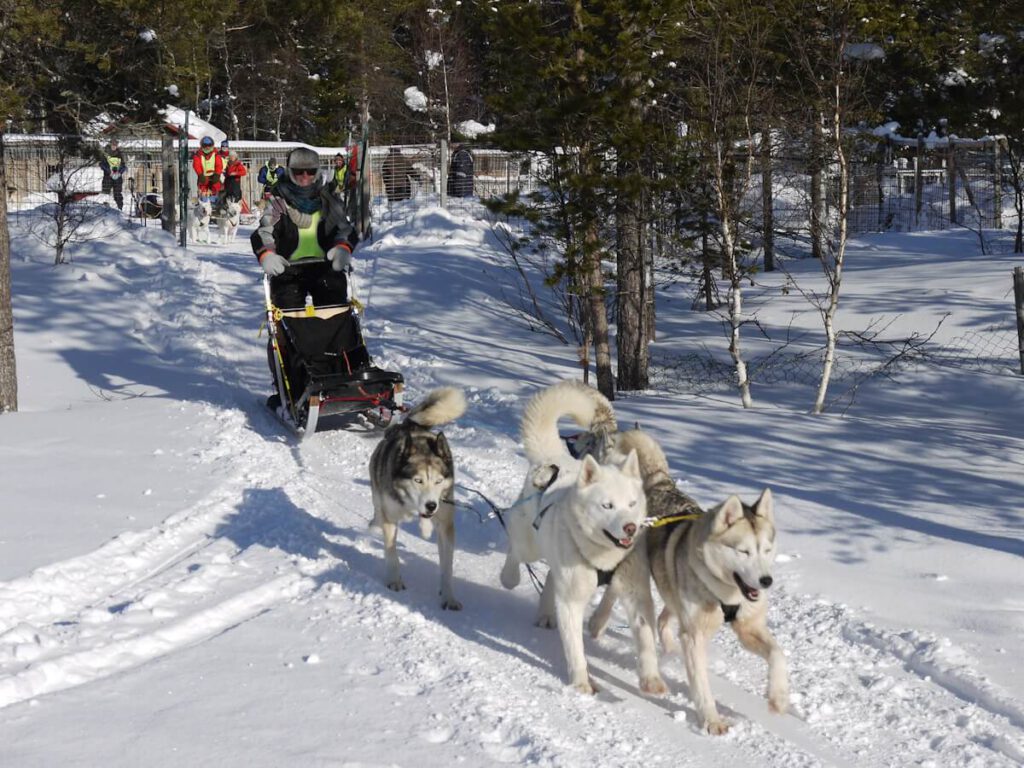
[8, 369]
[767, 196]
[818, 214]
[593, 276]
[631, 338]
[599, 317]
[729, 263]
[834, 271]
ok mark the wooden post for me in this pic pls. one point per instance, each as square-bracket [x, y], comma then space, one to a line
[169, 184]
[997, 186]
[918, 162]
[882, 156]
[951, 181]
[1018, 299]
[444, 173]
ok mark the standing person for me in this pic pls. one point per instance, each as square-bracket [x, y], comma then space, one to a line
[270, 174]
[225, 151]
[304, 241]
[114, 167]
[397, 172]
[233, 174]
[343, 180]
[209, 166]
[460, 173]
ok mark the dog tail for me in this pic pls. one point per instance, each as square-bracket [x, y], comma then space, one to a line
[439, 407]
[653, 464]
[567, 399]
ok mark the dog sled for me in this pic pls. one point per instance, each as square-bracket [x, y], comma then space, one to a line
[323, 369]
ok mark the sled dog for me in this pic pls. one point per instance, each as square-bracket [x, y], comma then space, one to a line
[232, 217]
[710, 567]
[199, 223]
[412, 475]
[582, 517]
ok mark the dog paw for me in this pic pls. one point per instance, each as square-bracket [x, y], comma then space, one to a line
[778, 701]
[546, 622]
[716, 727]
[451, 604]
[396, 585]
[653, 685]
[586, 687]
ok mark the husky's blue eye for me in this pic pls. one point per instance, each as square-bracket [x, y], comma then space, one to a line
[418, 480]
[744, 552]
[608, 505]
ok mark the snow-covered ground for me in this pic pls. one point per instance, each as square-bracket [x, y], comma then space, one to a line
[185, 584]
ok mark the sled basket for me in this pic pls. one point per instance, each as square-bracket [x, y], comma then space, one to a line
[328, 368]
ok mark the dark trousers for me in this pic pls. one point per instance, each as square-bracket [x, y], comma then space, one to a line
[114, 187]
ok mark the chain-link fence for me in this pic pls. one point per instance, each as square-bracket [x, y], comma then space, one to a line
[894, 185]
[409, 175]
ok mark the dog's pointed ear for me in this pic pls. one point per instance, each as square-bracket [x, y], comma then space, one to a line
[728, 513]
[588, 472]
[404, 448]
[765, 506]
[440, 447]
[631, 467]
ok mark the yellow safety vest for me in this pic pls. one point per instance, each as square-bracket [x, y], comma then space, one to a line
[209, 163]
[309, 246]
[339, 176]
[114, 163]
[272, 177]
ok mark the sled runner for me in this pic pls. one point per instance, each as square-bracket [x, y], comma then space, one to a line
[322, 367]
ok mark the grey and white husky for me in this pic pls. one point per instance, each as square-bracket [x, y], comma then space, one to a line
[710, 567]
[581, 517]
[412, 475]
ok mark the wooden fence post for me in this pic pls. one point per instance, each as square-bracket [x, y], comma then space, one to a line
[951, 181]
[918, 179]
[169, 184]
[1018, 298]
[997, 185]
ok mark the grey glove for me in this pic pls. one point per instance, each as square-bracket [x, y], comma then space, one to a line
[341, 258]
[273, 264]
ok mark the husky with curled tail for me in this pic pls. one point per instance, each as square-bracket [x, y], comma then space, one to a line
[581, 517]
[710, 567]
[412, 476]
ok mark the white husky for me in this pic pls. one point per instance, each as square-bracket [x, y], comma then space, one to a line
[582, 517]
[710, 567]
[230, 220]
[199, 222]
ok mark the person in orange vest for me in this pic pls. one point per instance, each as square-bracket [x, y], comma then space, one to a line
[209, 166]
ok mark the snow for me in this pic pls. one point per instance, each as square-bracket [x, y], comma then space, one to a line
[197, 127]
[181, 583]
[472, 129]
[415, 99]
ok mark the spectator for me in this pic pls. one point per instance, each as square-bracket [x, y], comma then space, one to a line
[233, 177]
[460, 173]
[113, 166]
[397, 172]
[209, 166]
[270, 174]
